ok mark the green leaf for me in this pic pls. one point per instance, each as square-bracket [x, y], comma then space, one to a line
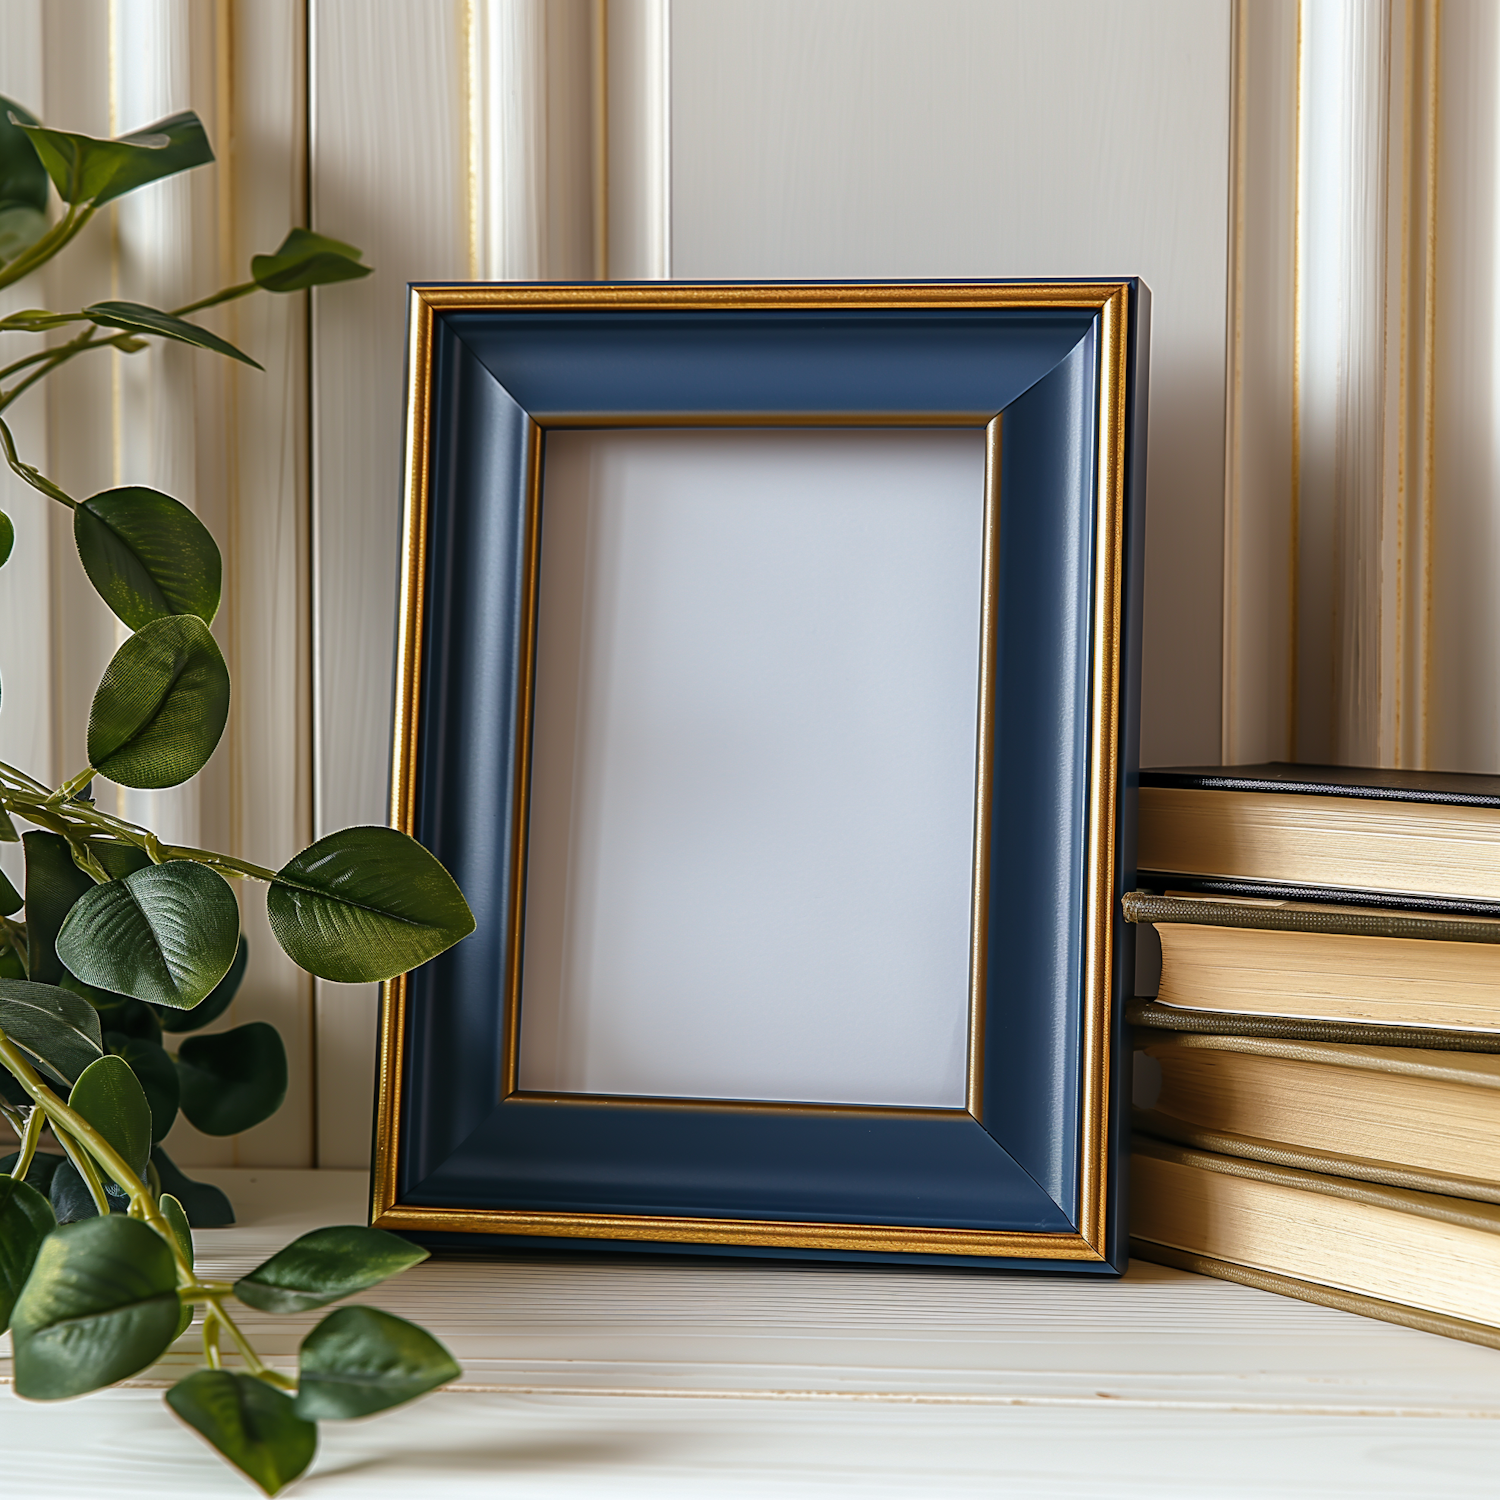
[136, 317]
[253, 1425]
[25, 1221]
[161, 706]
[173, 1212]
[10, 897]
[7, 538]
[58, 1029]
[53, 884]
[8, 834]
[100, 1305]
[166, 934]
[360, 1360]
[155, 1072]
[232, 1080]
[175, 1215]
[206, 1205]
[148, 555]
[20, 229]
[119, 860]
[119, 1015]
[324, 1265]
[12, 965]
[365, 903]
[23, 178]
[86, 169]
[39, 1174]
[305, 259]
[71, 1200]
[216, 1003]
[109, 1096]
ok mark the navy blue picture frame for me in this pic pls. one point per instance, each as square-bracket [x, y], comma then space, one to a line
[1029, 1175]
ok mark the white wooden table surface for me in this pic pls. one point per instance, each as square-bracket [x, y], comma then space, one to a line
[646, 1378]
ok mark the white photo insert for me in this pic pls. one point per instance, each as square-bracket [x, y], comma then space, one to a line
[751, 832]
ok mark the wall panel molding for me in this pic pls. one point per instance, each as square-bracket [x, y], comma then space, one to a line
[1330, 479]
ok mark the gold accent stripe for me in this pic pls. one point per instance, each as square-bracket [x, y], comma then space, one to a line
[878, 1238]
[984, 763]
[520, 818]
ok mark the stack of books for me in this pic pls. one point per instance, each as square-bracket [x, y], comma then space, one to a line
[1318, 1070]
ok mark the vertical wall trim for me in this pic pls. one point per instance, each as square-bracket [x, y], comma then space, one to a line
[1294, 551]
[638, 98]
[1234, 414]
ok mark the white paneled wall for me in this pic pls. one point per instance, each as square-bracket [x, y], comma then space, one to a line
[1309, 187]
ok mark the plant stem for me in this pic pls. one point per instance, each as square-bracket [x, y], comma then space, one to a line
[30, 1137]
[34, 477]
[242, 289]
[43, 249]
[211, 1339]
[86, 1169]
[73, 1124]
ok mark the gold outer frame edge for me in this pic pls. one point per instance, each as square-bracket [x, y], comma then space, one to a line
[791, 1235]
[1104, 753]
[1109, 300]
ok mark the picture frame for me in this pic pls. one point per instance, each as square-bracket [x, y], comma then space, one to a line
[1042, 389]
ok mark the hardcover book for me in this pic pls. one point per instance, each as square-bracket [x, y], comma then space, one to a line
[1397, 1115]
[1421, 1259]
[1357, 836]
[1427, 971]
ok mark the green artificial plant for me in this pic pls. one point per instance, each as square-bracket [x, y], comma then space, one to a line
[120, 940]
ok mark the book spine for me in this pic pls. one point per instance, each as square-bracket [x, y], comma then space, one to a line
[1147, 906]
[1157, 881]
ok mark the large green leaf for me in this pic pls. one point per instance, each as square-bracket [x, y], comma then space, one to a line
[161, 706]
[23, 178]
[109, 1096]
[7, 526]
[148, 555]
[86, 169]
[365, 903]
[136, 317]
[53, 884]
[253, 1425]
[232, 1080]
[216, 1003]
[100, 1305]
[119, 1015]
[166, 934]
[23, 184]
[58, 1029]
[155, 1072]
[305, 259]
[324, 1265]
[20, 229]
[205, 1205]
[360, 1360]
[39, 1173]
[25, 1221]
[10, 897]
[71, 1199]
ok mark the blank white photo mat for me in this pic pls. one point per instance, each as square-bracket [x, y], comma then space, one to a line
[751, 837]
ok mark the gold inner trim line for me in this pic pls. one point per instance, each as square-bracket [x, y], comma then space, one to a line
[984, 764]
[1110, 301]
[762, 419]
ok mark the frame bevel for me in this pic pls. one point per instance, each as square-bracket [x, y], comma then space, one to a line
[1110, 302]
